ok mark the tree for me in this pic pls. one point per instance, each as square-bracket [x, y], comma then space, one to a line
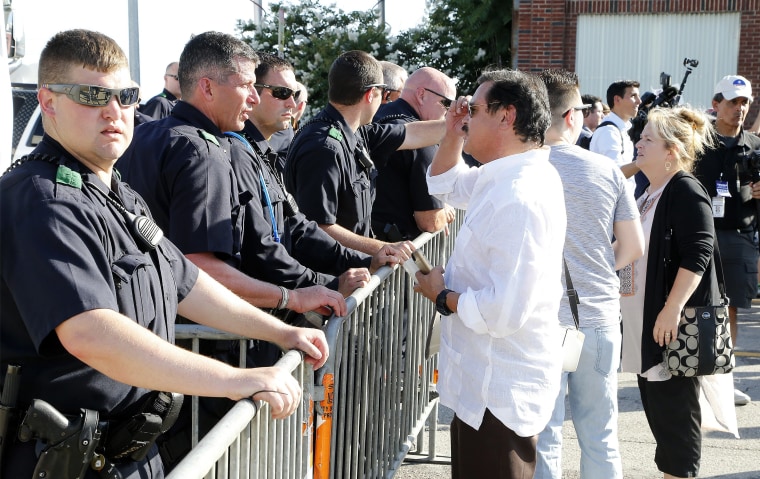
[459, 37]
[314, 36]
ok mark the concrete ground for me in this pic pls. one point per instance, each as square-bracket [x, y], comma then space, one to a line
[723, 456]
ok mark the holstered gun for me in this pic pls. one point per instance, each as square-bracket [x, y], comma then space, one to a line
[67, 445]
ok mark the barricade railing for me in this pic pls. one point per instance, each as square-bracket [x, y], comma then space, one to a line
[365, 409]
[247, 442]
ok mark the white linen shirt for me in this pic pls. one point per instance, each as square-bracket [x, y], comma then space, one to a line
[502, 349]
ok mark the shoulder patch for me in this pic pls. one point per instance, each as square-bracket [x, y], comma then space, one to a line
[335, 133]
[208, 137]
[69, 177]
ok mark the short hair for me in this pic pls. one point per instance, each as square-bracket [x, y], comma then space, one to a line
[269, 62]
[618, 89]
[527, 94]
[394, 75]
[589, 99]
[213, 55]
[349, 75]
[79, 48]
[562, 88]
[686, 130]
[169, 66]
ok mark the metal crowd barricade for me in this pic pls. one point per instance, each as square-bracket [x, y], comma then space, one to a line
[364, 411]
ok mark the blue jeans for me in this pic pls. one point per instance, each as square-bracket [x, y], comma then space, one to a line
[593, 403]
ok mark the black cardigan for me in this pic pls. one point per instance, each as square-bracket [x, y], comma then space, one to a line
[685, 209]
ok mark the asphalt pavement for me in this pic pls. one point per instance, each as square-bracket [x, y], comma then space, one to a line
[723, 456]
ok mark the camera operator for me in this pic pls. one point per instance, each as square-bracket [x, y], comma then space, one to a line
[731, 178]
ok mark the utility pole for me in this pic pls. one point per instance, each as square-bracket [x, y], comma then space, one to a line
[381, 3]
[134, 41]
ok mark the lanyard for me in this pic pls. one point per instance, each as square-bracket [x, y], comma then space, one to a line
[264, 189]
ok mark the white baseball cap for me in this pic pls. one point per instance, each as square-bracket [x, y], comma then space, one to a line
[732, 86]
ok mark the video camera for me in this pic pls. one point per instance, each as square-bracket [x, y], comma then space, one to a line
[750, 165]
[668, 97]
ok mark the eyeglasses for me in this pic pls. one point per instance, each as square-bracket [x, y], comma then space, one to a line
[280, 92]
[444, 101]
[471, 109]
[381, 86]
[92, 95]
[586, 109]
[176, 77]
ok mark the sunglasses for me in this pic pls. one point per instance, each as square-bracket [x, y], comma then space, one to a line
[471, 109]
[91, 95]
[176, 77]
[444, 101]
[381, 86]
[280, 92]
[586, 109]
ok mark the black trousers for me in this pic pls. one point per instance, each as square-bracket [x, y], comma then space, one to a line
[494, 451]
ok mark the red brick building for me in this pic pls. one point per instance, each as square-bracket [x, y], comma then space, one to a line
[544, 31]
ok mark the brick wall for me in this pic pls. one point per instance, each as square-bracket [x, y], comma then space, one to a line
[546, 30]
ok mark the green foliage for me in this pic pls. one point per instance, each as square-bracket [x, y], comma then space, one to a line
[459, 37]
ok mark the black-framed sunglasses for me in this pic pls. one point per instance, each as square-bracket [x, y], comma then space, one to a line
[381, 86]
[176, 77]
[280, 92]
[444, 101]
[471, 109]
[93, 95]
[586, 109]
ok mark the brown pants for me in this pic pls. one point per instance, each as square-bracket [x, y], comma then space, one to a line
[494, 451]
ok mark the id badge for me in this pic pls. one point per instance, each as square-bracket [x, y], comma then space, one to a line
[719, 206]
[722, 188]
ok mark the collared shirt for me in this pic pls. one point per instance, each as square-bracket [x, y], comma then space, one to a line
[500, 350]
[613, 141]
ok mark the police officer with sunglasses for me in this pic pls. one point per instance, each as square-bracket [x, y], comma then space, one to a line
[330, 167]
[89, 291]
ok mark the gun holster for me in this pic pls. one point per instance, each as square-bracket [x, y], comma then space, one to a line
[66, 445]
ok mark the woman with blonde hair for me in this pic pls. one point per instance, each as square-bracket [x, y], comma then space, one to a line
[676, 217]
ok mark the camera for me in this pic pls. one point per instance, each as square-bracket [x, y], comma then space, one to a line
[750, 165]
[668, 97]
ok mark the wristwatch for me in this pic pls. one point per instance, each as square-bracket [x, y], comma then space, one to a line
[440, 302]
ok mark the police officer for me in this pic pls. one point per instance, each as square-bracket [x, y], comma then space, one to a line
[329, 168]
[181, 166]
[279, 244]
[89, 315]
[403, 205]
[161, 105]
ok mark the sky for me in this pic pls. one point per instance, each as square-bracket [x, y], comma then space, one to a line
[165, 26]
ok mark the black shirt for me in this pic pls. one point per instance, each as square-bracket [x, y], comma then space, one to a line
[401, 182]
[325, 174]
[66, 250]
[730, 164]
[305, 255]
[160, 106]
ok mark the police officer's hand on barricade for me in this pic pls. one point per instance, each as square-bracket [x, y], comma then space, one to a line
[352, 279]
[309, 341]
[275, 386]
[317, 298]
[392, 254]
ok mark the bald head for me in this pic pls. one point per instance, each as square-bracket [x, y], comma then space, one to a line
[425, 89]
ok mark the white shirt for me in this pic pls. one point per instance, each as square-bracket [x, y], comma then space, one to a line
[501, 351]
[615, 143]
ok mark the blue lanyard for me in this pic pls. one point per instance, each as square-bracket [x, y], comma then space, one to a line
[264, 189]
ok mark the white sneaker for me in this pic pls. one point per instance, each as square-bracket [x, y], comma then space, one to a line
[740, 399]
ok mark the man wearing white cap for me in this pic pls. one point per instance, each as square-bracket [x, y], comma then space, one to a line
[727, 173]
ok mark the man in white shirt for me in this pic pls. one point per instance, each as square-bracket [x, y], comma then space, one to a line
[611, 136]
[500, 370]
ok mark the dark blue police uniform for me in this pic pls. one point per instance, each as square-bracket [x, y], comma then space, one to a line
[401, 183]
[325, 172]
[160, 106]
[280, 142]
[297, 253]
[66, 250]
[181, 166]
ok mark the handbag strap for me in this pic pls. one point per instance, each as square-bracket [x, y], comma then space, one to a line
[572, 294]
